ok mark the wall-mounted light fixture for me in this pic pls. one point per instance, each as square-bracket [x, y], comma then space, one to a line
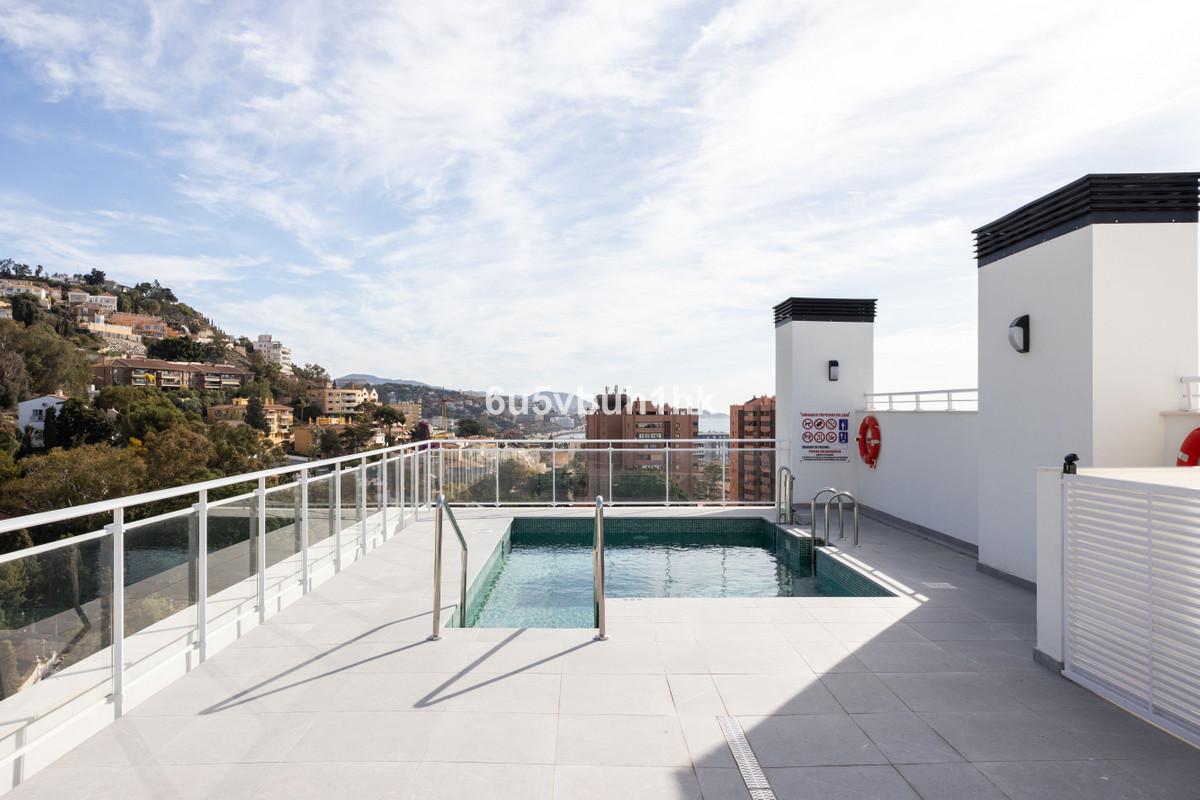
[1018, 333]
[833, 370]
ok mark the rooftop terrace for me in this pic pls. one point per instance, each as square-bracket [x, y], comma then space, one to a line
[930, 694]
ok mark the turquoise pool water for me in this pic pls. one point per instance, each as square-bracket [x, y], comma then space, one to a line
[542, 578]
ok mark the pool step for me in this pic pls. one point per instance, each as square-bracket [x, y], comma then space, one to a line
[752, 773]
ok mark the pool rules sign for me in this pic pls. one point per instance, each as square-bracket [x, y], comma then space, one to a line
[825, 436]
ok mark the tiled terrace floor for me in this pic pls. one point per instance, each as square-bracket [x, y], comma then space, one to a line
[340, 695]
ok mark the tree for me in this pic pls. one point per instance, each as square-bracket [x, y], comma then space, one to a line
[421, 432]
[357, 435]
[95, 278]
[644, 484]
[388, 417]
[14, 379]
[51, 362]
[256, 417]
[182, 348]
[25, 309]
[179, 455]
[60, 478]
[76, 422]
[329, 444]
[238, 449]
[471, 427]
[140, 409]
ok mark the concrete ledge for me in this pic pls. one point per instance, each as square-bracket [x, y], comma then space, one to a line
[1006, 577]
[1049, 662]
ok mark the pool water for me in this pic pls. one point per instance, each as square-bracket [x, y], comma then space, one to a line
[543, 577]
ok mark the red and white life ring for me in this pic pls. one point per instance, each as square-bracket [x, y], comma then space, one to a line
[869, 441]
[1189, 451]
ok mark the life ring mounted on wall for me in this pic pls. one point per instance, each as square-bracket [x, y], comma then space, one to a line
[869, 441]
[1189, 451]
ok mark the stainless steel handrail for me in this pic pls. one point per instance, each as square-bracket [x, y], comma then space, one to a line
[598, 570]
[812, 511]
[783, 495]
[841, 521]
[444, 508]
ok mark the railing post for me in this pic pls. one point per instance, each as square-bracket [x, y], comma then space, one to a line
[724, 473]
[337, 512]
[383, 493]
[917, 401]
[610, 471]
[949, 401]
[667, 470]
[598, 570]
[441, 483]
[416, 483]
[362, 504]
[303, 521]
[437, 572]
[429, 475]
[262, 550]
[400, 487]
[553, 476]
[497, 474]
[202, 574]
[117, 531]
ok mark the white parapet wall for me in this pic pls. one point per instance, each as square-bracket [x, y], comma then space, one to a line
[927, 473]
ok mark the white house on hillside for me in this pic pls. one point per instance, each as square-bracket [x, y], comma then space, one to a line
[31, 415]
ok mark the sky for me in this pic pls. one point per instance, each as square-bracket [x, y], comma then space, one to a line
[572, 194]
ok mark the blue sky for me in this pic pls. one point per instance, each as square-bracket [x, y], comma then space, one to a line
[571, 194]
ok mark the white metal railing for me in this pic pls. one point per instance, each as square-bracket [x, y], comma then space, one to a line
[138, 582]
[925, 400]
[1191, 392]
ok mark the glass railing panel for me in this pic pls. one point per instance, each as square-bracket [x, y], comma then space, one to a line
[232, 558]
[696, 475]
[55, 627]
[639, 476]
[469, 474]
[751, 470]
[283, 534]
[524, 475]
[161, 580]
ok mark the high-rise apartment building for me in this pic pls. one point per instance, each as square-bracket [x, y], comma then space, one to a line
[751, 466]
[640, 471]
[273, 352]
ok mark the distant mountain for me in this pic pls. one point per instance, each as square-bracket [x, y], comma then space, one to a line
[361, 377]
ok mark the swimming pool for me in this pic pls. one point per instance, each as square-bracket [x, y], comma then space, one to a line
[541, 573]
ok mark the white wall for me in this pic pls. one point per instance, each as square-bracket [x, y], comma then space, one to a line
[1144, 334]
[927, 472]
[803, 350]
[1033, 407]
[1049, 562]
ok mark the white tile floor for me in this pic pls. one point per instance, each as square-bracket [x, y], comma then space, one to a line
[339, 695]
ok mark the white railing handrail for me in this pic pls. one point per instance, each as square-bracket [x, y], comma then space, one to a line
[158, 495]
[911, 401]
[1191, 392]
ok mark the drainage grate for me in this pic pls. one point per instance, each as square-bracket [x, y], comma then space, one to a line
[752, 774]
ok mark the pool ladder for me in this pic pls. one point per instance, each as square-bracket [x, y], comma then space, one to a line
[783, 496]
[838, 495]
[443, 509]
[598, 570]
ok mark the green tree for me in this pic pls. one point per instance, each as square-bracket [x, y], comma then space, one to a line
[183, 348]
[179, 455]
[239, 448]
[644, 484]
[140, 410]
[25, 309]
[329, 444]
[421, 432]
[256, 417]
[357, 435]
[471, 427]
[14, 379]
[51, 362]
[95, 278]
[61, 478]
[388, 417]
[76, 422]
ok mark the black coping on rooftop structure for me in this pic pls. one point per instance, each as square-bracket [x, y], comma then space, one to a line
[825, 309]
[1093, 199]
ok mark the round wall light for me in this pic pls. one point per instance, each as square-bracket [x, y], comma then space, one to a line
[1018, 333]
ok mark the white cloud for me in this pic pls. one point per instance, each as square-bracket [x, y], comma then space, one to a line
[483, 193]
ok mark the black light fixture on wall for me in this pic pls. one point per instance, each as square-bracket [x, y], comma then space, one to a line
[1018, 333]
[833, 370]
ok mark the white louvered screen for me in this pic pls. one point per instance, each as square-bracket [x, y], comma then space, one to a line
[1132, 591]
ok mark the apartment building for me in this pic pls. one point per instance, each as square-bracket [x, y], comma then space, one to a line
[411, 412]
[279, 417]
[335, 399]
[144, 325]
[752, 471]
[273, 352]
[104, 302]
[169, 374]
[11, 288]
[618, 416]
